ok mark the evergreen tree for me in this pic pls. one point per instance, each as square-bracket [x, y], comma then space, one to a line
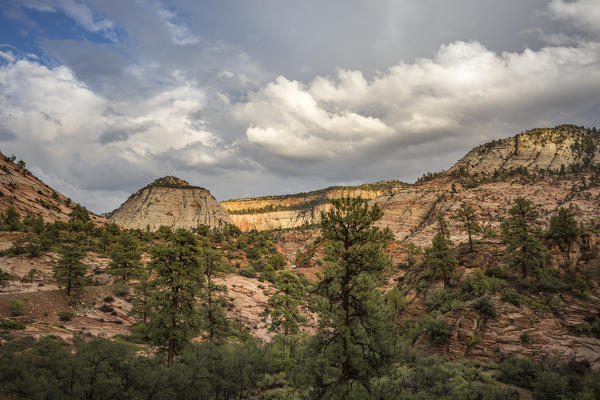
[521, 230]
[443, 227]
[440, 259]
[214, 317]
[70, 270]
[142, 296]
[12, 218]
[80, 213]
[466, 215]
[563, 229]
[125, 256]
[177, 282]
[355, 342]
[286, 304]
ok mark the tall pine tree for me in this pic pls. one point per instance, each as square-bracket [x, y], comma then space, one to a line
[177, 282]
[70, 270]
[355, 341]
[439, 258]
[286, 304]
[125, 257]
[466, 215]
[215, 323]
[521, 230]
[563, 229]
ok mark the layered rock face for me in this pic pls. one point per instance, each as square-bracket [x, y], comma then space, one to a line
[295, 210]
[537, 149]
[171, 202]
[20, 189]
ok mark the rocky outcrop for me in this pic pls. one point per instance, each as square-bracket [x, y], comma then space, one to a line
[291, 211]
[539, 149]
[171, 202]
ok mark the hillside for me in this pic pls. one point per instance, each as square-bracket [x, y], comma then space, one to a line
[20, 189]
[565, 146]
[485, 314]
[171, 202]
[553, 166]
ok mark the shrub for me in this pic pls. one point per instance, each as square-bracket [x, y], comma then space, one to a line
[120, 290]
[436, 329]
[525, 337]
[443, 300]
[4, 278]
[550, 385]
[106, 308]
[512, 297]
[479, 285]
[518, 371]
[396, 300]
[108, 299]
[8, 324]
[17, 308]
[248, 272]
[485, 308]
[66, 315]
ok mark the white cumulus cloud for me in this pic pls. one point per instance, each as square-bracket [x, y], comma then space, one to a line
[462, 89]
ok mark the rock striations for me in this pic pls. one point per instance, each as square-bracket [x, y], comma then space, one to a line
[538, 149]
[295, 210]
[172, 202]
[554, 167]
[20, 189]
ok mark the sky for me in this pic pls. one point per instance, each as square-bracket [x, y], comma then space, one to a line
[249, 98]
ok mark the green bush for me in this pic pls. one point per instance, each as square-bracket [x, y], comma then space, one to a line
[108, 299]
[66, 315]
[120, 290]
[436, 329]
[8, 324]
[248, 272]
[511, 296]
[443, 300]
[106, 308]
[478, 284]
[518, 371]
[17, 308]
[485, 308]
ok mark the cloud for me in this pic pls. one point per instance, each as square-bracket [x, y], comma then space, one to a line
[80, 13]
[180, 33]
[581, 14]
[98, 143]
[286, 119]
[463, 88]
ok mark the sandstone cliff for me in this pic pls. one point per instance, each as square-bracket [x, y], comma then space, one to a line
[171, 202]
[537, 149]
[291, 211]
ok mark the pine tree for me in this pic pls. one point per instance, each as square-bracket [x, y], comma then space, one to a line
[178, 281]
[563, 229]
[286, 304]
[214, 317]
[142, 296]
[70, 270]
[521, 230]
[125, 256]
[442, 227]
[355, 339]
[466, 215]
[440, 259]
[12, 218]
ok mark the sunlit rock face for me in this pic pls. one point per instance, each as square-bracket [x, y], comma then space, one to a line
[172, 202]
